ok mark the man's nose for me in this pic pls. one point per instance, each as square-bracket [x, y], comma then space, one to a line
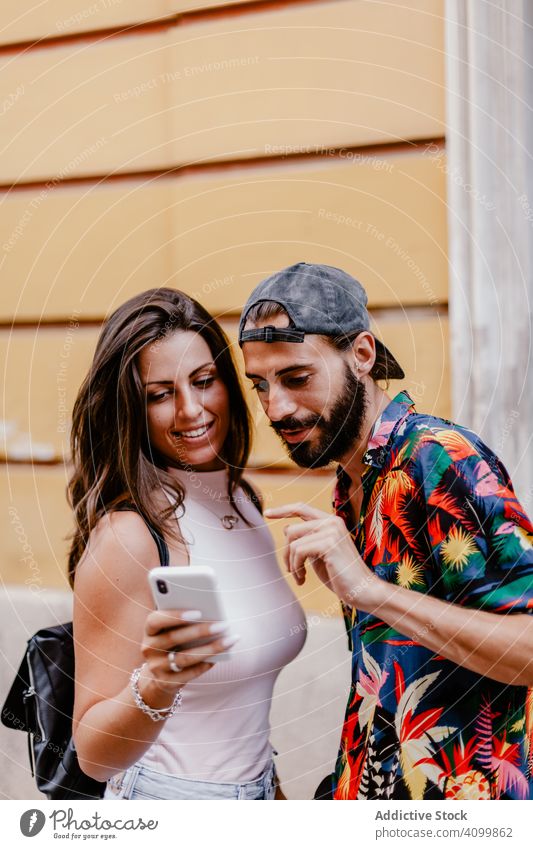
[279, 404]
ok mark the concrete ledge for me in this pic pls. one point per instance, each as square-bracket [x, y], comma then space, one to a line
[308, 707]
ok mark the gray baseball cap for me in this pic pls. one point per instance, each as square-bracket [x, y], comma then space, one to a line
[318, 299]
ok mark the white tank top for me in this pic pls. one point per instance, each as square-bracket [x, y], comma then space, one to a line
[221, 732]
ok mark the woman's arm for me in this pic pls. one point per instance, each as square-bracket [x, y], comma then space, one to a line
[115, 631]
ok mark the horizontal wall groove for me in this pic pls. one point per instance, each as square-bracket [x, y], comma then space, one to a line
[166, 22]
[392, 313]
[333, 154]
[7, 461]
[50, 323]
[280, 471]
[417, 312]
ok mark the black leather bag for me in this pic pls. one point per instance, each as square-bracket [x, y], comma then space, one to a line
[40, 702]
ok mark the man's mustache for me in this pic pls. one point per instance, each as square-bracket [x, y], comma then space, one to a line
[291, 423]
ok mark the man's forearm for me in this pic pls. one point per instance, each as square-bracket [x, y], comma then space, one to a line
[499, 646]
[491, 644]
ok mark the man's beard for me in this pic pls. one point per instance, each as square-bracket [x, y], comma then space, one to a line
[336, 434]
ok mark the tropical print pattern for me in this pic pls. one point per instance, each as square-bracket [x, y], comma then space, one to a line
[439, 516]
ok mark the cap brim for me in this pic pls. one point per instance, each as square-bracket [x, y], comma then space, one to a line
[386, 366]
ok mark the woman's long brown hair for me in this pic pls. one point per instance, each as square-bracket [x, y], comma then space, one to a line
[114, 464]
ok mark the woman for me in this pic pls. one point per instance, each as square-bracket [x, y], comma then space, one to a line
[160, 437]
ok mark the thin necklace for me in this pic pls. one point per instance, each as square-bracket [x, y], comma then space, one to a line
[228, 521]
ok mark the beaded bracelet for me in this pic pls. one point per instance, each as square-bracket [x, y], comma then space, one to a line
[154, 714]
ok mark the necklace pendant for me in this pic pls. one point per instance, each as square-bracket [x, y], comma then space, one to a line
[229, 522]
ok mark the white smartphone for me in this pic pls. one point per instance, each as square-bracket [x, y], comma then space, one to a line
[190, 588]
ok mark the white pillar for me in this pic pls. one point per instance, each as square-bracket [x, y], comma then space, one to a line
[489, 56]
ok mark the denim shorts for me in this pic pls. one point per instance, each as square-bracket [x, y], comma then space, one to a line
[140, 782]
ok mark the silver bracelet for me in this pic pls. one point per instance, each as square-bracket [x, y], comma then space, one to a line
[153, 713]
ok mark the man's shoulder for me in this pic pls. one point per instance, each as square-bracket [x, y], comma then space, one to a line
[424, 435]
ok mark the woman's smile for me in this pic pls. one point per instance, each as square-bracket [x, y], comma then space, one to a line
[194, 435]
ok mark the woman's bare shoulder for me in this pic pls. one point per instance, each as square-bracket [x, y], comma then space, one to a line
[120, 551]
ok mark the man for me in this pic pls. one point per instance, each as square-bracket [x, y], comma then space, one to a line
[430, 552]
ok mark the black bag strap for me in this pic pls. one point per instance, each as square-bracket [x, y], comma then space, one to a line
[162, 547]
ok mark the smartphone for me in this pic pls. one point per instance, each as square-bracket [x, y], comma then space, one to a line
[190, 588]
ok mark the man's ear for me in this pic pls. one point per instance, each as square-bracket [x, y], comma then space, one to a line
[364, 353]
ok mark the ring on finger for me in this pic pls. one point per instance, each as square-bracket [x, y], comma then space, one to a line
[173, 666]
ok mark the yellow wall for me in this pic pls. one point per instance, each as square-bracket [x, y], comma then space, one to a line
[204, 148]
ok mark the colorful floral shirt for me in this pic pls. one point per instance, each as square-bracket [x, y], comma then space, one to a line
[439, 516]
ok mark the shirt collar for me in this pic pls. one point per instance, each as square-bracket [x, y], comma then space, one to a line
[378, 444]
[378, 447]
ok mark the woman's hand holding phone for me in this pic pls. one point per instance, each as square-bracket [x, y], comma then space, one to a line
[168, 631]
